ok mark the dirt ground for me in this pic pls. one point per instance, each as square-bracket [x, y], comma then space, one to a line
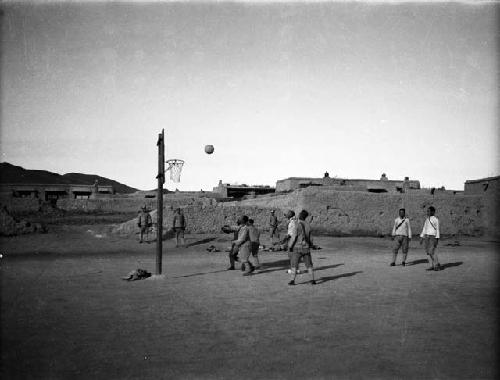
[66, 312]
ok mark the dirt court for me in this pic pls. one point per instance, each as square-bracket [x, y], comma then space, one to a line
[66, 313]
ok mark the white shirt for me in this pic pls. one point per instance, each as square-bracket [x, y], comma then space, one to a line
[404, 228]
[431, 227]
[243, 237]
[292, 227]
[292, 230]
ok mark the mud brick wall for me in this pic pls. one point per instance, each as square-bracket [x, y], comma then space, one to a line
[126, 204]
[20, 205]
[341, 213]
[366, 214]
[491, 215]
[212, 218]
[106, 205]
[208, 218]
[278, 202]
[7, 224]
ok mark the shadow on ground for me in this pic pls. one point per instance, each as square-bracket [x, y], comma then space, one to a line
[285, 264]
[201, 273]
[450, 265]
[416, 262]
[332, 278]
[202, 241]
[327, 267]
[274, 266]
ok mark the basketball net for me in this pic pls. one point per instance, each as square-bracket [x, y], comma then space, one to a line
[175, 167]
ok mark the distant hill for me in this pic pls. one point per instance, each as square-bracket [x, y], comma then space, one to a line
[16, 174]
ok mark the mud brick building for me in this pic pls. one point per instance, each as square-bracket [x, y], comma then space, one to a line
[481, 186]
[47, 192]
[382, 185]
[227, 190]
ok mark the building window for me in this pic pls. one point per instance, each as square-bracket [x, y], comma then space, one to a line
[304, 185]
[81, 194]
[23, 194]
[55, 195]
[377, 190]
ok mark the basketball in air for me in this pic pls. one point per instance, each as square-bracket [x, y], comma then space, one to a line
[209, 149]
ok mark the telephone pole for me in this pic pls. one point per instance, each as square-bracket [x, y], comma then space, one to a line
[159, 208]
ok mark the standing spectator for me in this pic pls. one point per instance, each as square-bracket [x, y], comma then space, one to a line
[401, 233]
[273, 227]
[144, 222]
[430, 235]
[179, 226]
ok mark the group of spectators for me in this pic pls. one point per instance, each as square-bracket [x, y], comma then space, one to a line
[145, 223]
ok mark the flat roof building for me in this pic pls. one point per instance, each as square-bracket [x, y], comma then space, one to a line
[227, 190]
[49, 192]
[487, 185]
[382, 185]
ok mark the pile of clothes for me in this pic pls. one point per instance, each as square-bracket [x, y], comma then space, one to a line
[137, 274]
[213, 248]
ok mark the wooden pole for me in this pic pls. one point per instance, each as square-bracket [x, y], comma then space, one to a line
[159, 196]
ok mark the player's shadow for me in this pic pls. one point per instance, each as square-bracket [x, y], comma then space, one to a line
[449, 265]
[273, 266]
[285, 264]
[416, 262]
[202, 241]
[332, 278]
[327, 267]
[200, 273]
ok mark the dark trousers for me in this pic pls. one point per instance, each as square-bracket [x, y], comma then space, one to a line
[233, 255]
[430, 243]
[402, 242]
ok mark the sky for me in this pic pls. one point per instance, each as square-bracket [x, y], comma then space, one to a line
[286, 89]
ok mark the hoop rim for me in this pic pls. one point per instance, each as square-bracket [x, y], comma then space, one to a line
[174, 161]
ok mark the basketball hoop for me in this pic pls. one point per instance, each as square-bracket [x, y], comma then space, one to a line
[175, 167]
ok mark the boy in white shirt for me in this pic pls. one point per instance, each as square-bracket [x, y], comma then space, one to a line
[430, 235]
[401, 233]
